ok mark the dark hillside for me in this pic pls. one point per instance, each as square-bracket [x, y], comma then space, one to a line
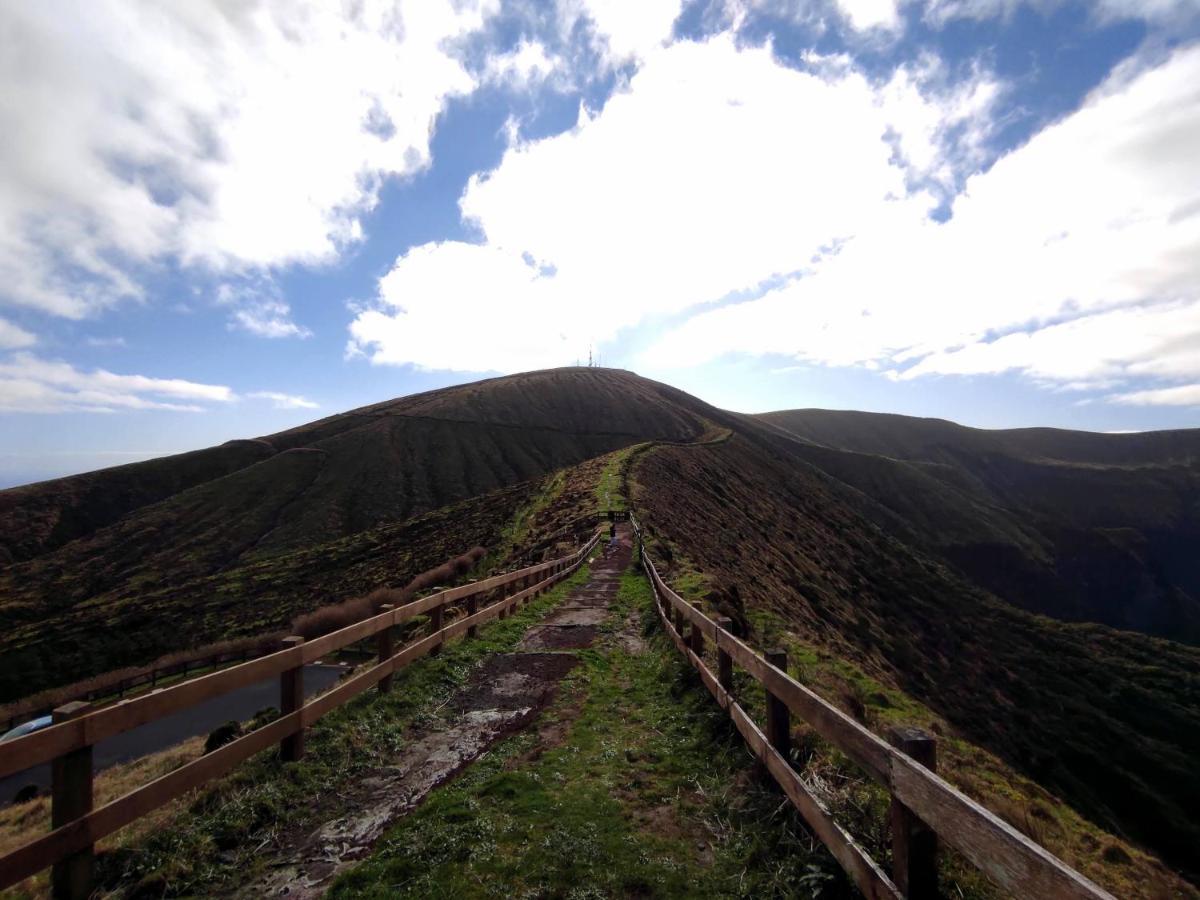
[38, 517]
[1108, 719]
[159, 551]
[143, 601]
[937, 440]
[1083, 527]
[380, 463]
[894, 561]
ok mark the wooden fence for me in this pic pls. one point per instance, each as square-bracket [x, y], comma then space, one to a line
[149, 678]
[925, 808]
[68, 743]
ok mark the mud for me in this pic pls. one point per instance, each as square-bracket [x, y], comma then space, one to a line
[559, 637]
[578, 615]
[502, 697]
[629, 636]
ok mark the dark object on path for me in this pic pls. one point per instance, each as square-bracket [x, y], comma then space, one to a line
[27, 793]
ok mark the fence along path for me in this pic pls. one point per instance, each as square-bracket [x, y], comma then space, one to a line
[68, 742]
[925, 808]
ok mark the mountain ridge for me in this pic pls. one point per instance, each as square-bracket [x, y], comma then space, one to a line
[866, 555]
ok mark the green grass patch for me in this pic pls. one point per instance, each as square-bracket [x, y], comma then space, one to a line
[609, 491]
[649, 794]
[218, 843]
[517, 530]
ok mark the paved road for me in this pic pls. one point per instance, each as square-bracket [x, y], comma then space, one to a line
[202, 718]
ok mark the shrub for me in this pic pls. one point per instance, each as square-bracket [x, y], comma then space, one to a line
[222, 735]
[339, 615]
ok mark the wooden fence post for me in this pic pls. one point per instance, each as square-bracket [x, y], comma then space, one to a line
[386, 647]
[291, 698]
[697, 635]
[436, 616]
[71, 797]
[678, 620]
[914, 844]
[724, 660]
[472, 608]
[779, 718]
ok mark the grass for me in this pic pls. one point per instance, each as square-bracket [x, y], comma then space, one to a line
[1103, 719]
[215, 840]
[52, 611]
[517, 532]
[20, 823]
[648, 793]
[609, 492]
[861, 806]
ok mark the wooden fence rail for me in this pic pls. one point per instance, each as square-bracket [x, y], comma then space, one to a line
[924, 805]
[149, 677]
[77, 826]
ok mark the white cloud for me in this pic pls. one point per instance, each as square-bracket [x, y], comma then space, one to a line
[864, 15]
[716, 171]
[258, 309]
[525, 66]
[1080, 249]
[1181, 395]
[1082, 354]
[1161, 12]
[269, 319]
[468, 307]
[284, 401]
[231, 136]
[626, 29]
[13, 337]
[31, 384]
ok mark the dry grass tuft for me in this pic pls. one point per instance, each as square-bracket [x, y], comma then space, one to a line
[339, 615]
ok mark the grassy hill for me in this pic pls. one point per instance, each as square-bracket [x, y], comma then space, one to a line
[209, 541]
[380, 463]
[1108, 719]
[916, 552]
[1079, 526]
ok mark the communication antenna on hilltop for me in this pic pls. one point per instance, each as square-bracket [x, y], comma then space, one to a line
[589, 356]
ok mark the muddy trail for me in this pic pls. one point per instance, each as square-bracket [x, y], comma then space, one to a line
[504, 695]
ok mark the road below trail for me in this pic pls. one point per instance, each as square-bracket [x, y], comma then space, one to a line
[503, 695]
[239, 705]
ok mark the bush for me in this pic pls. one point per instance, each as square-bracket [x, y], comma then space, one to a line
[222, 735]
[339, 615]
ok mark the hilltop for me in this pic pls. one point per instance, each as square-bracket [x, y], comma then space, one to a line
[910, 564]
[240, 538]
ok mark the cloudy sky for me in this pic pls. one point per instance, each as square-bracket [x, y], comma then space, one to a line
[221, 218]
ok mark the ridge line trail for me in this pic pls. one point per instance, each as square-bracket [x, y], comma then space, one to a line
[504, 694]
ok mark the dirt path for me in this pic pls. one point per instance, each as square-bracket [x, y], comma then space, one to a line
[504, 695]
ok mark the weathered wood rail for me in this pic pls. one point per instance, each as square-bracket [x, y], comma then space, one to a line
[149, 678]
[925, 808]
[68, 743]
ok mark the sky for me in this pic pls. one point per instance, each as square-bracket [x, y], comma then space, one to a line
[221, 219]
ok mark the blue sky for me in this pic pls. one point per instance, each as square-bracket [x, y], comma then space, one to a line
[221, 220]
